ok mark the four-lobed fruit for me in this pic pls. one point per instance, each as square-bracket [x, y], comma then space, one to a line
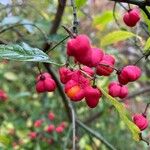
[105, 68]
[45, 83]
[92, 96]
[141, 121]
[117, 90]
[74, 91]
[78, 46]
[65, 74]
[92, 57]
[74, 88]
[132, 17]
[96, 57]
[129, 73]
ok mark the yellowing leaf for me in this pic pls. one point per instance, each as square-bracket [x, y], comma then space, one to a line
[123, 115]
[80, 3]
[145, 18]
[4, 140]
[45, 15]
[116, 36]
[147, 45]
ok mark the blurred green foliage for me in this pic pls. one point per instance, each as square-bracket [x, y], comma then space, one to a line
[24, 105]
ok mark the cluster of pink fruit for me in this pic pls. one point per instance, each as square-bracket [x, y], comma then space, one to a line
[38, 124]
[78, 83]
[104, 66]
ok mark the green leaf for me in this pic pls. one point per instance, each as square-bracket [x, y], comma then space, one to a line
[123, 115]
[147, 45]
[115, 37]
[23, 53]
[145, 18]
[4, 140]
[102, 20]
[80, 3]
[10, 76]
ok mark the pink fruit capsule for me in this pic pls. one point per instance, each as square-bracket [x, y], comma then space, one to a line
[45, 83]
[129, 73]
[131, 17]
[141, 121]
[92, 96]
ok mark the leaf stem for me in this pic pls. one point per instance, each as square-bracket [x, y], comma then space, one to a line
[58, 43]
[146, 108]
[23, 24]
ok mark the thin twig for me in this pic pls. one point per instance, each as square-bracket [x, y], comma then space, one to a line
[129, 6]
[139, 60]
[141, 138]
[75, 19]
[56, 23]
[67, 137]
[114, 14]
[96, 134]
[58, 43]
[73, 126]
[146, 11]
[23, 24]
[140, 91]
[123, 7]
[94, 78]
[145, 55]
[135, 2]
[60, 90]
[145, 27]
[95, 116]
[23, 5]
[69, 32]
[75, 32]
[145, 111]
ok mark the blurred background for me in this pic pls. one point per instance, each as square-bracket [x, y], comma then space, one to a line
[28, 22]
